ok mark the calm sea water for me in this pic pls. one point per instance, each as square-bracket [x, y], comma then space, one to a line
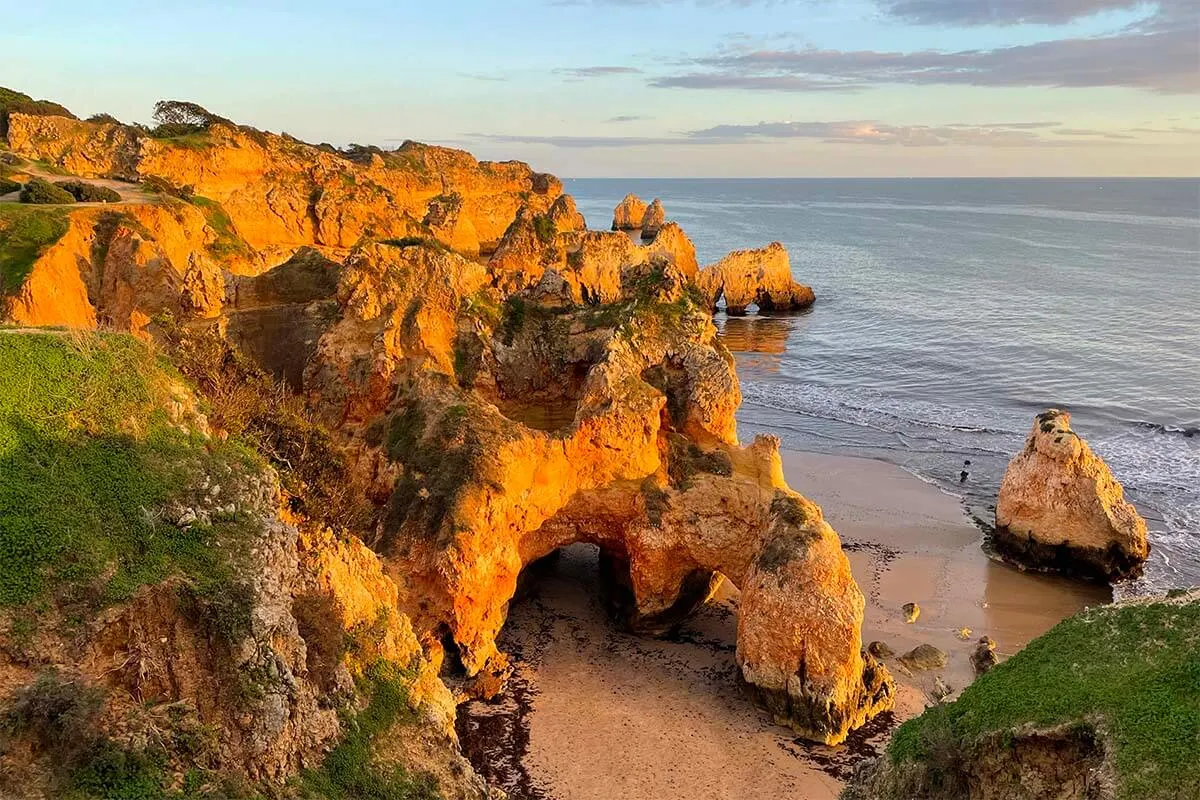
[949, 312]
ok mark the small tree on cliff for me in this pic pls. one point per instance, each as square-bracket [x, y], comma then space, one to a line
[179, 118]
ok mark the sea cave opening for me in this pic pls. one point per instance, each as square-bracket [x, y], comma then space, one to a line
[583, 677]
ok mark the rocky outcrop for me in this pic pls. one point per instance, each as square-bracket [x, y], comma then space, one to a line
[762, 277]
[280, 194]
[551, 424]
[1061, 509]
[628, 214]
[653, 220]
[240, 651]
[565, 216]
[570, 389]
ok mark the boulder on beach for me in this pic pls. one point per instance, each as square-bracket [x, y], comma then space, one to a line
[923, 657]
[628, 214]
[911, 612]
[984, 657]
[653, 220]
[1060, 508]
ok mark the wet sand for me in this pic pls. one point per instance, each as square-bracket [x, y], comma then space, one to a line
[594, 712]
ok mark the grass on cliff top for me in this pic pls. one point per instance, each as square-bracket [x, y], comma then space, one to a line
[25, 233]
[88, 460]
[228, 242]
[1135, 670]
[351, 770]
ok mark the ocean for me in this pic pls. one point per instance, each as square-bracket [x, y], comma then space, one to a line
[950, 312]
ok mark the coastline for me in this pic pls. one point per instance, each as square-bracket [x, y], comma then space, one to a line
[597, 712]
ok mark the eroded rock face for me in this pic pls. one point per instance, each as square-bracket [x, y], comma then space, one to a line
[611, 424]
[762, 277]
[628, 214]
[1061, 509]
[653, 220]
[570, 389]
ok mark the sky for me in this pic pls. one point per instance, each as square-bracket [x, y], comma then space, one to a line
[662, 88]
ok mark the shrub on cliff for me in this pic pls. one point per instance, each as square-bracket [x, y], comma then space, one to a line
[40, 192]
[249, 403]
[89, 192]
[8, 186]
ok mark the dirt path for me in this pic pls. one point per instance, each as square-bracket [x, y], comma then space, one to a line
[131, 193]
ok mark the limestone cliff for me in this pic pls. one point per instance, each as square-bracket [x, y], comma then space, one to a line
[1060, 508]
[205, 638]
[487, 379]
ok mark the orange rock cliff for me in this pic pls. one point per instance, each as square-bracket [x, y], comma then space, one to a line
[502, 380]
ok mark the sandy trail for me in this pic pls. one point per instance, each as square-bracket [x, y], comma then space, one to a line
[131, 193]
[597, 713]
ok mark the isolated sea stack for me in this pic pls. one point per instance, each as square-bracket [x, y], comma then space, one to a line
[628, 214]
[1060, 508]
[653, 220]
[762, 276]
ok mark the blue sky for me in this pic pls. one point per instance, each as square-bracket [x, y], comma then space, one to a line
[658, 87]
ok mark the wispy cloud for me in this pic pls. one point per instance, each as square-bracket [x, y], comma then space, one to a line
[597, 72]
[628, 118]
[1000, 12]
[581, 141]
[856, 132]
[1156, 54]
[1090, 132]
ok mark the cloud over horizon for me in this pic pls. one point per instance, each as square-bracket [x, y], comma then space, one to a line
[870, 132]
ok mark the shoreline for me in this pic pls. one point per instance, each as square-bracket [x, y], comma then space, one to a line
[598, 712]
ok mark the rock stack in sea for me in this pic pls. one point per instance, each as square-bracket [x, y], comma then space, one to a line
[1060, 508]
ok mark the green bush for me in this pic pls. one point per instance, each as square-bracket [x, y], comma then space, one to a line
[8, 186]
[40, 192]
[350, 771]
[89, 192]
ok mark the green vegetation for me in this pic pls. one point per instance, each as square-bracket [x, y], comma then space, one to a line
[14, 102]
[88, 463]
[1131, 671]
[7, 186]
[439, 456]
[25, 233]
[688, 459]
[60, 717]
[229, 242]
[545, 228]
[89, 192]
[156, 185]
[351, 770]
[254, 407]
[417, 241]
[40, 192]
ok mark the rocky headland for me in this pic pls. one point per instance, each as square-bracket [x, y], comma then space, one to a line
[395, 379]
[285, 428]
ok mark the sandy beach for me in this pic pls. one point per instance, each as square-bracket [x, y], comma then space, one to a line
[596, 713]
